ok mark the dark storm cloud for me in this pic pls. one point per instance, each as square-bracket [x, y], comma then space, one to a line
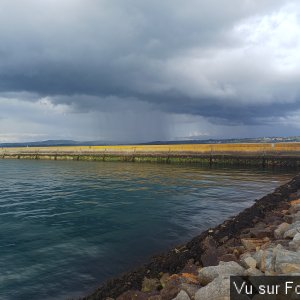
[96, 55]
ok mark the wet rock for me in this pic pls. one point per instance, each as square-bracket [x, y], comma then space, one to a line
[246, 235]
[209, 256]
[164, 279]
[156, 297]
[133, 295]
[228, 257]
[260, 225]
[150, 284]
[253, 243]
[233, 242]
[224, 239]
[281, 229]
[182, 296]
[261, 233]
[218, 289]
[287, 262]
[208, 274]
[274, 218]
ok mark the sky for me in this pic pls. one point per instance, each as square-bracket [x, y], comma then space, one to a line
[136, 71]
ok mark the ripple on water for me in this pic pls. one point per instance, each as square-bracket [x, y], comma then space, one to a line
[66, 226]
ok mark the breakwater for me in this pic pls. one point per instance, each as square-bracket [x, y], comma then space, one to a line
[256, 154]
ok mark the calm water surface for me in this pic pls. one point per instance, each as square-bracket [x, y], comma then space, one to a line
[66, 226]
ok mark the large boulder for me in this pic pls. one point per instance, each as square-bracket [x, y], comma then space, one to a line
[208, 274]
[252, 244]
[292, 230]
[218, 289]
[248, 262]
[295, 243]
[265, 260]
[281, 229]
[191, 289]
[287, 262]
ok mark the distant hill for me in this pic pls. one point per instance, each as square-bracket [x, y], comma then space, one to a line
[52, 143]
[230, 141]
[102, 143]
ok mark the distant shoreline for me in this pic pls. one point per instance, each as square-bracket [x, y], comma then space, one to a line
[252, 154]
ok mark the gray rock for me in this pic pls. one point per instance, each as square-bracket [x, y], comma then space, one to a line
[208, 274]
[253, 272]
[219, 289]
[264, 259]
[292, 230]
[182, 296]
[243, 257]
[287, 262]
[295, 243]
[191, 289]
[250, 262]
[281, 229]
[251, 244]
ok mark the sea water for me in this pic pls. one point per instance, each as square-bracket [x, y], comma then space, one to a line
[67, 226]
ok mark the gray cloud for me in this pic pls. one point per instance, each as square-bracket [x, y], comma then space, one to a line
[230, 62]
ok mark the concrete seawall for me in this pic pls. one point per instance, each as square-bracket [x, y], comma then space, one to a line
[279, 154]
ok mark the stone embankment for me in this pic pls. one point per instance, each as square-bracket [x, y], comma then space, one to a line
[268, 244]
